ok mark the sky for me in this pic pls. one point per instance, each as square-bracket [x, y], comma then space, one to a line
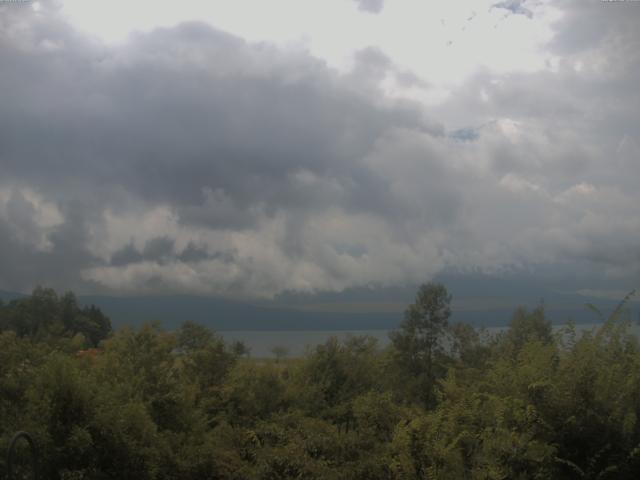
[245, 149]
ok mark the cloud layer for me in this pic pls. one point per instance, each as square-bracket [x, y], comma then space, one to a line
[371, 6]
[189, 160]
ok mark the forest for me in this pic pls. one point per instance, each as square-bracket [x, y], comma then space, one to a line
[442, 401]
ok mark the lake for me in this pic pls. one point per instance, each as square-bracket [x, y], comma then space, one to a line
[297, 341]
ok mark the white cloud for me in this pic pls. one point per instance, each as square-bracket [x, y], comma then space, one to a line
[31, 217]
[442, 42]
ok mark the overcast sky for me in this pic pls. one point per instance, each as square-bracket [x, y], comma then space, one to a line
[248, 148]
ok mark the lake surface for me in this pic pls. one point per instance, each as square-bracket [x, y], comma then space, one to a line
[297, 342]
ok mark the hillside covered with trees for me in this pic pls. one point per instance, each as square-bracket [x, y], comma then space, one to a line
[443, 401]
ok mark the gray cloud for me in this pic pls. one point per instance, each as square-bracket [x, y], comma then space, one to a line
[371, 6]
[31, 254]
[372, 62]
[126, 255]
[162, 250]
[190, 160]
[516, 7]
[593, 24]
[192, 116]
[195, 254]
[372, 66]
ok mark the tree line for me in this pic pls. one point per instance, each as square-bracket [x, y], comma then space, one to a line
[441, 401]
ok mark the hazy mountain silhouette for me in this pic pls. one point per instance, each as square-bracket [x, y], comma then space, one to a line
[479, 300]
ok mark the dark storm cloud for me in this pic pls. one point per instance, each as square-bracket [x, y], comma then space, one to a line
[195, 254]
[221, 132]
[158, 249]
[190, 160]
[126, 255]
[28, 258]
[182, 112]
[163, 250]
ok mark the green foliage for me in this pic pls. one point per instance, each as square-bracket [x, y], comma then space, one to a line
[46, 316]
[419, 342]
[334, 374]
[443, 401]
[253, 391]
[280, 352]
[528, 327]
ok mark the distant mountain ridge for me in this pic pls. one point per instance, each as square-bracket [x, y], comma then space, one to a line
[347, 311]
[224, 315]
[8, 296]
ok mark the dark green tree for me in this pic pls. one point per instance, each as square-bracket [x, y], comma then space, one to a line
[419, 341]
[45, 315]
[93, 324]
[194, 336]
[527, 327]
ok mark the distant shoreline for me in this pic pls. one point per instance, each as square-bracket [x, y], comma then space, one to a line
[261, 342]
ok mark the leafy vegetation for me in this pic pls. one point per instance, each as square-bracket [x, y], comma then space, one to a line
[442, 401]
